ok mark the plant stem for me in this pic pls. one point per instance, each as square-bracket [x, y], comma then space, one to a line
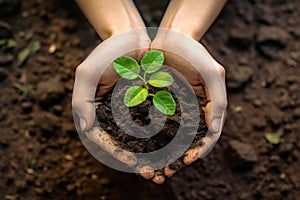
[140, 77]
[145, 76]
[152, 95]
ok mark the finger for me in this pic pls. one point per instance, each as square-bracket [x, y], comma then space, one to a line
[192, 155]
[158, 178]
[146, 171]
[86, 81]
[205, 64]
[217, 102]
[207, 144]
[83, 98]
[91, 70]
[169, 172]
[104, 140]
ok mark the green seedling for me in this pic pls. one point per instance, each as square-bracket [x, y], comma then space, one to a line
[25, 91]
[26, 52]
[272, 138]
[128, 68]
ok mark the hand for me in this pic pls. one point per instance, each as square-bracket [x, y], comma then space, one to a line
[206, 76]
[97, 66]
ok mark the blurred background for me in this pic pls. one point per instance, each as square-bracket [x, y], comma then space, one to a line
[257, 156]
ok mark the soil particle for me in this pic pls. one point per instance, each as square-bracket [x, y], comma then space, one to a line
[50, 92]
[238, 76]
[27, 107]
[265, 15]
[47, 122]
[271, 40]
[241, 38]
[6, 59]
[241, 155]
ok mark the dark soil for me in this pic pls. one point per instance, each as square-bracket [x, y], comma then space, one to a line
[42, 156]
[140, 116]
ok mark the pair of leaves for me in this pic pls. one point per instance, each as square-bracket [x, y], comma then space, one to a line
[152, 61]
[129, 68]
[162, 100]
[25, 53]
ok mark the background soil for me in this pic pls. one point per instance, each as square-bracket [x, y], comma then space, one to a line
[43, 158]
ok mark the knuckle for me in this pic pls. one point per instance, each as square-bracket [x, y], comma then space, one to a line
[222, 104]
[83, 71]
[75, 103]
[221, 70]
[79, 69]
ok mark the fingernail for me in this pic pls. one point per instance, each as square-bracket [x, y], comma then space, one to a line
[82, 124]
[215, 125]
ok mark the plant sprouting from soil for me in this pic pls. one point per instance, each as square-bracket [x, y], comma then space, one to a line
[151, 63]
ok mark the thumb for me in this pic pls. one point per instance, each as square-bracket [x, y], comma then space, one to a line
[83, 99]
[215, 115]
[215, 108]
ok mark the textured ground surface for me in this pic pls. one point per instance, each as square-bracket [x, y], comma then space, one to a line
[43, 158]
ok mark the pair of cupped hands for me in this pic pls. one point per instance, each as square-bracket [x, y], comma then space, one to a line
[95, 77]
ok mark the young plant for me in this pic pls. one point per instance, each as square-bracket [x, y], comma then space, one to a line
[151, 63]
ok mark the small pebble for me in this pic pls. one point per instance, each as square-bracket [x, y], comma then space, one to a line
[52, 49]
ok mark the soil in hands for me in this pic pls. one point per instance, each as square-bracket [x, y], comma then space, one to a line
[140, 116]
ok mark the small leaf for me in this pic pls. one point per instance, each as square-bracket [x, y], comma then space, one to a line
[23, 55]
[135, 95]
[238, 109]
[164, 102]
[127, 67]
[152, 61]
[2, 42]
[161, 79]
[35, 46]
[11, 43]
[272, 138]
[25, 91]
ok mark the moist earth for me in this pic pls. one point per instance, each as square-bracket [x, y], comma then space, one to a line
[42, 156]
[191, 123]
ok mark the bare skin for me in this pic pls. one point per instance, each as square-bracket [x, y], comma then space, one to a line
[189, 18]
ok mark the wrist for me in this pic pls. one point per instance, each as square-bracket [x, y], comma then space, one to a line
[186, 30]
[191, 18]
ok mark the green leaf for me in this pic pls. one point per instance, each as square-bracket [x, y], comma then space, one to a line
[135, 95]
[161, 79]
[152, 61]
[23, 55]
[127, 67]
[164, 102]
[2, 42]
[25, 91]
[11, 43]
[272, 138]
[35, 46]
[238, 109]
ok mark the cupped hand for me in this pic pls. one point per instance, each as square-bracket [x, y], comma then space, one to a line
[206, 76]
[183, 54]
[95, 75]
